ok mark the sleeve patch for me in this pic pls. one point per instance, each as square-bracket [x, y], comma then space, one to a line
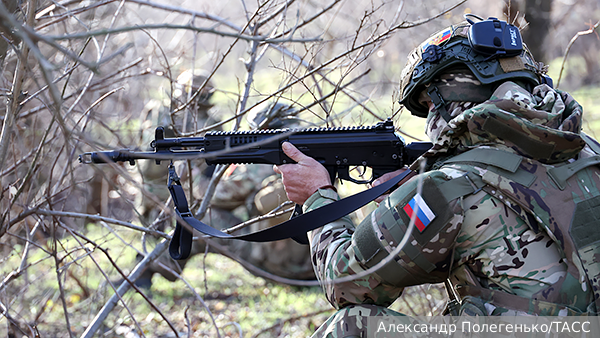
[423, 213]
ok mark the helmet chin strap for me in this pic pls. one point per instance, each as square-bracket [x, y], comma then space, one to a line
[438, 101]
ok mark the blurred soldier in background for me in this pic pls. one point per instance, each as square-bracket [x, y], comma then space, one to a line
[244, 192]
[195, 116]
[157, 113]
[258, 191]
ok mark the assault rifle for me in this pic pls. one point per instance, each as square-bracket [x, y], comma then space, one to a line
[337, 149]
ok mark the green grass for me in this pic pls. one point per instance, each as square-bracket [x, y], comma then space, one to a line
[589, 98]
[237, 299]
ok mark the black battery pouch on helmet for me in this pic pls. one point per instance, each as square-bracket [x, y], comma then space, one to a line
[495, 37]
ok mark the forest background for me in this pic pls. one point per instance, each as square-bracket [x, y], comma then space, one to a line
[80, 76]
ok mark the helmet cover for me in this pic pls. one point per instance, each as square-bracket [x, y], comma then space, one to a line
[272, 115]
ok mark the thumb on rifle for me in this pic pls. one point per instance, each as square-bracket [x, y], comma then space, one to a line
[304, 178]
[292, 152]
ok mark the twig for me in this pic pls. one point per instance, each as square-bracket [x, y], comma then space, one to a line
[250, 67]
[259, 38]
[197, 14]
[275, 13]
[61, 289]
[188, 324]
[71, 13]
[291, 319]
[237, 326]
[210, 190]
[272, 214]
[586, 32]
[56, 213]
[123, 288]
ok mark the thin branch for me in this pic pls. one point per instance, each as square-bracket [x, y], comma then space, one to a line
[259, 38]
[275, 13]
[90, 331]
[174, 9]
[98, 218]
[586, 32]
[61, 288]
[71, 13]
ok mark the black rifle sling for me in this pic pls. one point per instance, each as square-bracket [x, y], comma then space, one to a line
[296, 227]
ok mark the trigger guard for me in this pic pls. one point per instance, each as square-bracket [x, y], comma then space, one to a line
[346, 176]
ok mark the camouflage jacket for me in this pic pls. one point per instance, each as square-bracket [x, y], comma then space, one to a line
[488, 233]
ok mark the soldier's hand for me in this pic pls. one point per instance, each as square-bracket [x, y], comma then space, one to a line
[303, 178]
[386, 177]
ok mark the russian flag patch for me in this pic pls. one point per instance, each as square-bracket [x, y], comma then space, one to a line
[424, 213]
[437, 39]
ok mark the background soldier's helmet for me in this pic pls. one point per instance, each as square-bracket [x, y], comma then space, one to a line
[272, 115]
[182, 89]
[490, 49]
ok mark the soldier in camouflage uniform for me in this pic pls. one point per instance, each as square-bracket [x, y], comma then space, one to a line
[258, 191]
[157, 113]
[244, 192]
[195, 117]
[505, 209]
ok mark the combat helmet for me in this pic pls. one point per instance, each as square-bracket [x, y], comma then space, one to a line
[492, 50]
[272, 115]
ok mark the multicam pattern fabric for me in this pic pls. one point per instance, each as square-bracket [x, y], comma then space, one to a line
[244, 192]
[531, 122]
[351, 321]
[487, 242]
[258, 191]
[461, 90]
